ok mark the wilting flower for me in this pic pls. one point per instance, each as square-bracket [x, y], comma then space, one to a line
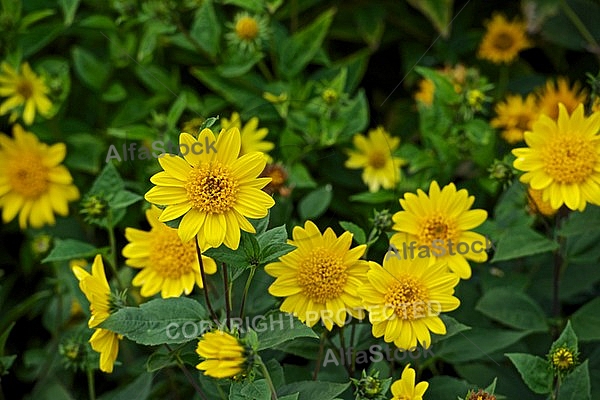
[563, 159]
[33, 183]
[252, 136]
[26, 93]
[435, 224]
[321, 277]
[515, 116]
[375, 155]
[559, 91]
[537, 204]
[278, 176]
[503, 40]
[168, 265]
[404, 299]
[405, 388]
[213, 191]
[96, 290]
[224, 355]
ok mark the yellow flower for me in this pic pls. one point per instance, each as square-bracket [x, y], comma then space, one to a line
[247, 32]
[503, 40]
[25, 90]
[438, 226]
[320, 278]
[33, 183]
[558, 92]
[426, 92]
[405, 297]
[252, 138]
[214, 191]
[168, 265]
[224, 355]
[563, 358]
[515, 116]
[537, 204]
[405, 388]
[375, 156]
[563, 159]
[96, 290]
[193, 125]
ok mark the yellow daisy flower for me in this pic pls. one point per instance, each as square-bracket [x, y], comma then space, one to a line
[503, 40]
[537, 204]
[214, 191]
[168, 265]
[25, 90]
[374, 155]
[224, 355]
[563, 158]
[515, 116]
[252, 136]
[96, 290]
[247, 32]
[438, 226]
[405, 298]
[426, 92]
[33, 183]
[321, 277]
[405, 388]
[558, 92]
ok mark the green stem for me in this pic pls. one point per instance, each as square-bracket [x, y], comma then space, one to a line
[246, 288]
[352, 334]
[559, 262]
[187, 374]
[91, 389]
[227, 297]
[113, 261]
[370, 240]
[320, 357]
[580, 26]
[343, 351]
[267, 376]
[265, 71]
[204, 283]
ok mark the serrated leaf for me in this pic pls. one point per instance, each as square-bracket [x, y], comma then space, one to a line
[257, 390]
[68, 249]
[280, 329]
[567, 338]
[123, 199]
[358, 234]
[273, 244]
[576, 385]
[534, 371]
[159, 321]
[501, 304]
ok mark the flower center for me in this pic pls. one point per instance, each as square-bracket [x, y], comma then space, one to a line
[503, 41]
[377, 159]
[436, 227]
[562, 358]
[246, 28]
[28, 176]
[169, 257]
[522, 122]
[322, 276]
[569, 159]
[24, 88]
[408, 297]
[211, 188]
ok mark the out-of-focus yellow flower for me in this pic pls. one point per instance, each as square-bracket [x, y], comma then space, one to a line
[515, 116]
[252, 135]
[503, 40]
[559, 91]
[26, 92]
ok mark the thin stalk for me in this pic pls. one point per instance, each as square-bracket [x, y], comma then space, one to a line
[213, 315]
[246, 288]
[352, 334]
[320, 357]
[91, 386]
[189, 377]
[343, 351]
[559, 262]
[227, 297]
[267, 376]
[580, 26]
[113, 262]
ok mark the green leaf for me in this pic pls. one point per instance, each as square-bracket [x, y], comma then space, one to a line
[159, 360]
[478, 131]
[289, 397]
[439, 12]
[238, 64]
[567, 338]
[586, 321]
[534, 371]
[299, 177]
[513, 308]
[69, 7]
[68, 249]
[160, 321]
[453, 327]
[582, 222]
[250, 5]
[257, 390]
[576, 385]
[281, 328]
[139, 389]
[311, 390]
[379, 197]
[273, 244]
[115, 93]
[92, 72]
[358, 234]
[206, 28]
[446, 387]
[303, 46]
[34, 17]
[521, 241]
[123, 199]
[4, 337]
[176, 110]
[233, 92]
[314, 204]
[5, 363]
